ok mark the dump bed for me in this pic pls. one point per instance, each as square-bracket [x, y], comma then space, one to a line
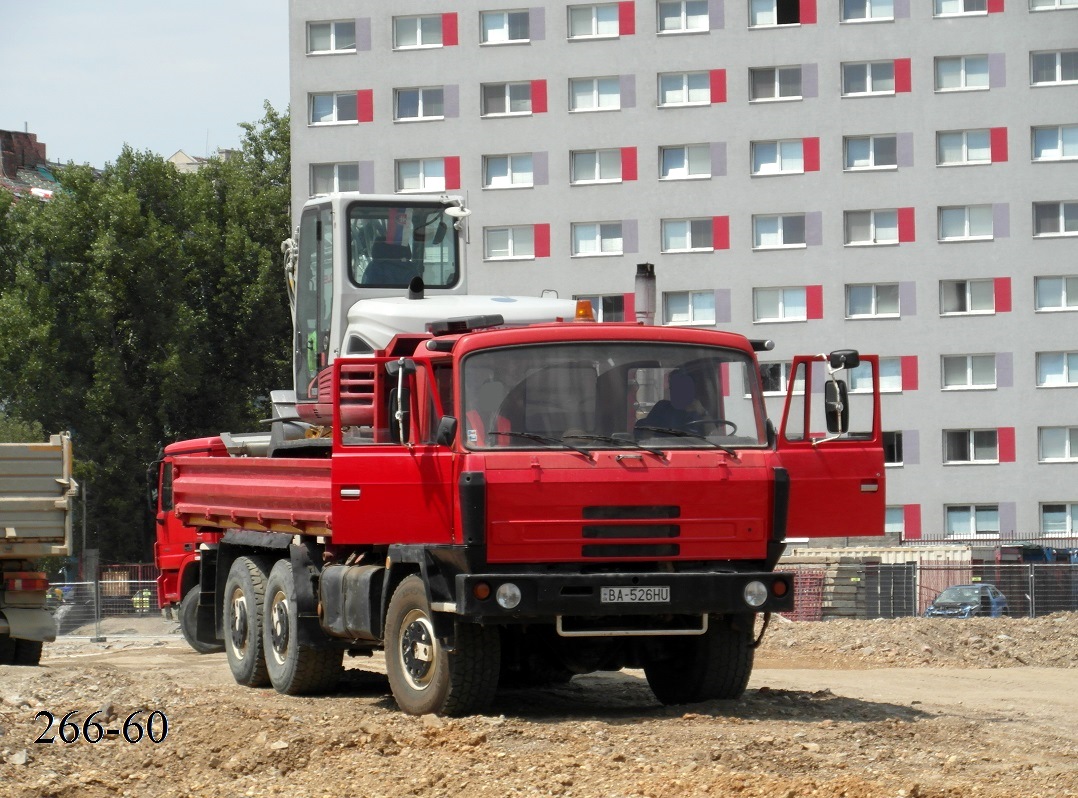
[254, 493]
[36, 492]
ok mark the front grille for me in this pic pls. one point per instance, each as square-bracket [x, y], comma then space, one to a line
[641, 512]
[633, 531]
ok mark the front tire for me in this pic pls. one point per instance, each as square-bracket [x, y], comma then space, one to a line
[245, 593]
[188, 617]
[714, 665]
[293, 669]
[424, 677]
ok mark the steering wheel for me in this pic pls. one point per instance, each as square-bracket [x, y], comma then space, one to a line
[720, 422]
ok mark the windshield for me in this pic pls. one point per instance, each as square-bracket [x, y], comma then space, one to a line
[390, 244]
[960, 595]
[610, 395]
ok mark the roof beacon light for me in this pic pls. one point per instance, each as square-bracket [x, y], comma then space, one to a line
[584, 310]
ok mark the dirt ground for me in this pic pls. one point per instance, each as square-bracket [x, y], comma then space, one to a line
[910, 708]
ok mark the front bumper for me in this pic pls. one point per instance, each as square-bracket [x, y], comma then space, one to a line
[549, 595]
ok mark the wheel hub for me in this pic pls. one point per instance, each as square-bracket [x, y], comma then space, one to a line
[279, 627]
[239, 624]
[417, 650]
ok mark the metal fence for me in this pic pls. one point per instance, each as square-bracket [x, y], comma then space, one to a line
[106, 607]
[879, 590]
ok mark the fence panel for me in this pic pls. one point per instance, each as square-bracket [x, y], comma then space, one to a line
[92, 609]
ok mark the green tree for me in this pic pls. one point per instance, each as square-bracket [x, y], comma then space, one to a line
[142, 306]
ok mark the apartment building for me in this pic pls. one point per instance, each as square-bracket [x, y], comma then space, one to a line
[899, 176]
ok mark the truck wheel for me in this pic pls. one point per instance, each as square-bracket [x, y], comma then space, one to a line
[28, 652]
[245, 592]
[424, 677]
[188, 614]
[715, 665]
[293, 669]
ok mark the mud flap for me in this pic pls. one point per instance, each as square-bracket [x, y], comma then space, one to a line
[30, 624]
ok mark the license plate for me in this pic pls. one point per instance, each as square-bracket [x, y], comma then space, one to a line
[655, 594]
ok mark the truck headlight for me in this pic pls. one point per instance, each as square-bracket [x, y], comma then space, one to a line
[507, 596]
[755, 593]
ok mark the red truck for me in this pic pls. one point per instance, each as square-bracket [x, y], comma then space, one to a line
[492, 503]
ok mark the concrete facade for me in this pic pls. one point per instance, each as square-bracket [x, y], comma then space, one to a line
[1004, 481]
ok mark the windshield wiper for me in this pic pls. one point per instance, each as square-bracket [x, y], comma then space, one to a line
[533, 436]
[680, 433]
[620, 442]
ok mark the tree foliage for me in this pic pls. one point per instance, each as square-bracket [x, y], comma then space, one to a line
[142, 306]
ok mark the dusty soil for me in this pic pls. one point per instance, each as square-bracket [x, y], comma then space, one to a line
[903, 708]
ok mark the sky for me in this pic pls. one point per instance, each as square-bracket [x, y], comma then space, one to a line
[88, 76]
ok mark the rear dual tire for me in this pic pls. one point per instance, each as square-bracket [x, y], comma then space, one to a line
[714, 665]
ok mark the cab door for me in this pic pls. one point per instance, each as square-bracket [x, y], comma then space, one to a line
[835, 467]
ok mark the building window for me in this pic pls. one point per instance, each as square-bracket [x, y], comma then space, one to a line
[867, 228]
[1057, 443]
[966, 520]
[411, 32]
[767, 13]
[1055, 369]
[778, 157]
[1059, 66]
[776, 232]
[775, 378]
[968, 371]
[419, 104]
[870, 152]
[503, 27]
[607, 307]
[965, 223]
[1055, 218]
[334, 108]
[327, 178]
[970, 446]
[509, 243]
[872, 77]
[595, 94]
[952, 8]
[331, 37]
[503, 99]
[1052, 5]
[867, 10]
[963, 147]
[959, 297]
[962, 73]
[684, 88]
[892, 448]
[872, 301]
[894, 520]
[686, 235]
[779, 304]
[691, 161]
[1055, 143]
[1056, 293]
[1059, 519]
[508, 171]
[683, 16]
[596, 238]
[422, 174]
[775, 83]
[587, 22]
[860, 378]
[689, 307]
[596, 166]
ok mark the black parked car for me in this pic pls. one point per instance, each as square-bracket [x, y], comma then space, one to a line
[965, 601]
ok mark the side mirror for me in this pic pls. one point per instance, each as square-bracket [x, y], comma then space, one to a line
[844, 358]
[446, 432]
[837, 406]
